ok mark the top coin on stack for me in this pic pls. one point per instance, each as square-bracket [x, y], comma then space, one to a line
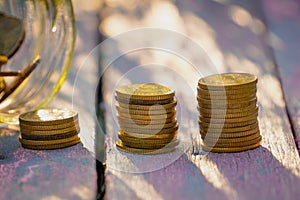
[147, 118]
[49, 129]
[228, 112]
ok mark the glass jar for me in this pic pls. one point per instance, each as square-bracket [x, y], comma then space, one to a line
[50, 34]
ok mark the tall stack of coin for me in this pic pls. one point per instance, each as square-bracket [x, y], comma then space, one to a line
[228, 112]
[49, 129]
[147, 118]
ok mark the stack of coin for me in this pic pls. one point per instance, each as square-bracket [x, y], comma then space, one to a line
[49, 129]
[147, 118]
[228, 112]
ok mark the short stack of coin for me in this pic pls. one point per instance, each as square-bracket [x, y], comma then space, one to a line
[147, 118]
[49, 129]
[228, 112]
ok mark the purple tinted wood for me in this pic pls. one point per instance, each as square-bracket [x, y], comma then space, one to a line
[283, 19]
[233, 34]
[67, 173]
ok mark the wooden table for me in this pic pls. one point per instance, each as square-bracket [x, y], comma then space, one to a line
[238, 36]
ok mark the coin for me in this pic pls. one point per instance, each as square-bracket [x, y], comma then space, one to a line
[144, 112]
[148, 145]
[12, 34]
[122, 147]
[148, 117]
[3, 59]
[150, 136]
[48, 137]
[128, 138]
[48, 117]
[144, 102]
[228, 120]
[211, 134]
[212, 139]
[224, 104]
[226, 125]
[227, 110]
[234, 144]
[149, 107]
[146, 122]
[228, 81]
[230, 149]
[237, 94]
[48, 142]
[221, 114]
[229, 92]
[51, 146]
[148, 91]
[147, 127]
[230, 129]
[217, 100]
[50, 132]
[153, 132]
[49, 128]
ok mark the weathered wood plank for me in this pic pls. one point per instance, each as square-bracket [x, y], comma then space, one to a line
[59, 174]
[285, 33]
[68, 173]
[233, 35]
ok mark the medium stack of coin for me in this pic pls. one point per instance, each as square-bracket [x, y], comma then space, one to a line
[228, 112]
[147, 118]
[49, 129]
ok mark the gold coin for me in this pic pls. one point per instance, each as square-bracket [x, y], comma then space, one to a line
[151, 131]
[230, 149]
[227, 110]
[234, 144]
[48, 142]
[237, 93]
[48, 137]
[150, 136]
[148, 145]
[3, 59]
[229, 98]
[48, 117]
[243, 94]
[129, 139]
[225, 100]
[146, 130]
[12, 34]
[148, 117]
[50, 132]
[223, 114]
[149, 107]
[52, 146]
[148, 127]
[122, 147]
[228, 81]
[144, 112]
[144, 102]
[123, 120]
[228, 120]
[148, 91]
[226, 125]
[224, 104]
[49, 128]
[228, 135]
[208, 139]
[230, 129]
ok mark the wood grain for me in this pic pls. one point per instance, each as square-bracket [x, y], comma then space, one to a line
[284, 42]
[233, 35]
[68, 173]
